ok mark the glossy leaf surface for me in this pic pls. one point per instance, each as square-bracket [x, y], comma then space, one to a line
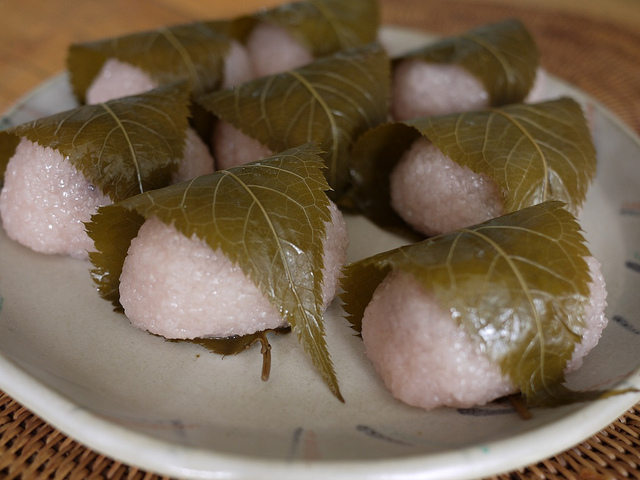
[518, 284]
[331, 101]
[192, 52]
[503, 56]
[534, 152]
[125, 146]
[269, 217]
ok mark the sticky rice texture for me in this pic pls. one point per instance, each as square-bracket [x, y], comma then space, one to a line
[238, 67]
[425, 360]
[196, 161]
[120, 79]
[180, 288]
[232, 147]
[596, 321]
[422, 89]
[45, 201]
[434, 194]
[273, 50]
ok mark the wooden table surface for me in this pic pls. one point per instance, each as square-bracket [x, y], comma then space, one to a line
[35, 34]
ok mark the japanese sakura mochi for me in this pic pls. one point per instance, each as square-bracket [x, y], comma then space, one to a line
[458, 330]
[295, 34]
[178, 287]
[138, 62]
[228, 257]
[220, 53]
[428, 361]
[465, 73]
[117, 78]
[63, 167]
[184, 274]
[438, 174]
[332, 100]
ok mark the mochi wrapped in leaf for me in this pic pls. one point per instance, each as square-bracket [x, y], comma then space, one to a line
[57, 170]
[492, 65]
[256, 247]
[463, 318]
[439, 174]
[220, 53]
[294, 34]
[205, 54]
[332, 100]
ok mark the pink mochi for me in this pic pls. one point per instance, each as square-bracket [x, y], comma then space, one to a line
[273, 50]
[120, 79]
[434, 194]
[45, 201]
[178, 287]
[196, 158]
[427, 361]
[232, 147]
[422, 89]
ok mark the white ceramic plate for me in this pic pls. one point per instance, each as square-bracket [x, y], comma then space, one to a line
[178, 410]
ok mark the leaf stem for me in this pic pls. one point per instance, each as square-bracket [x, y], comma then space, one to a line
[266, 356]
[519, 406]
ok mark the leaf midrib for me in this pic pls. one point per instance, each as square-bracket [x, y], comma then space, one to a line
[184, 54]
[543, 159]
[523, 284]
[334, 126]
[132, 151]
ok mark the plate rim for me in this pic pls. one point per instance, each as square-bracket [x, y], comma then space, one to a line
[191, 462]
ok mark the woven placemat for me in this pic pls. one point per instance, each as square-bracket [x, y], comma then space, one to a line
[601, 58]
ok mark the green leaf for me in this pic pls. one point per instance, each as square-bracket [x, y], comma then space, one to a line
[125, 146]
[196, 51]
[191, 52]
[373, 157]
[332, 101]
[8, 145]
[326, 26]
[269, 217]
[503, 56]
[518, 284]
[534, 152]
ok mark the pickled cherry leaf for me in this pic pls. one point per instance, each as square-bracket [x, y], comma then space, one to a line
[326, 26]
[373, 158]
[8, 145]
[269, 217]
[503, 56]
[517, 284]
[331, 101]
[193, 52]
[125, 146]
[534, 152]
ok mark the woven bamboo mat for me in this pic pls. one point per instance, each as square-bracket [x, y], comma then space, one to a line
[601, 58]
